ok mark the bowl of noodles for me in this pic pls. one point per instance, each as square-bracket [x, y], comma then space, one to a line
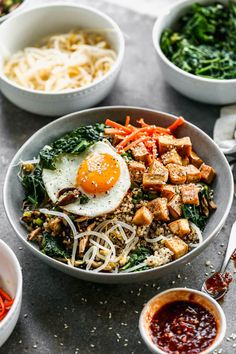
[66, 63]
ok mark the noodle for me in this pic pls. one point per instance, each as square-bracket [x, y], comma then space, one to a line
[62, 62]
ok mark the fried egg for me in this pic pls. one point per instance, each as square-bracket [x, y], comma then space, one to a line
[99, 173]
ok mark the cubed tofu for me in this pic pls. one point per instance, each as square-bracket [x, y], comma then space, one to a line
[182, 145]
[195, 159]
[180, 227]
[156, 176]
[171, 156]
[189, 194]
[168, 191]
[177, 246]
[140, 152]
[143, 216]
[177, 173]
[185, 161]
[193, 174]
[207, 173]
[136, 170]
[175, 206]
[159, 209]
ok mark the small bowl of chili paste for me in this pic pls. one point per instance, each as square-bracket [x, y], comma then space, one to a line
[182, 321]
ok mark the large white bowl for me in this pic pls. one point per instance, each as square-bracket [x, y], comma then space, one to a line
[11, 282]
[28, 27]
[13, 193]
[211, 91]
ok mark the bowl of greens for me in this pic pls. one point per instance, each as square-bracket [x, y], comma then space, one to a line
[195, 45]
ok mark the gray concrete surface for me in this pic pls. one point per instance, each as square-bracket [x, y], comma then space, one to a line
[62, 314]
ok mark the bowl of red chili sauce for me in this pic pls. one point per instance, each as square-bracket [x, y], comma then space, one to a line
[10, 291]
[182, 320]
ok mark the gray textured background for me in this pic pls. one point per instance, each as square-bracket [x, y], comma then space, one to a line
[62, 314]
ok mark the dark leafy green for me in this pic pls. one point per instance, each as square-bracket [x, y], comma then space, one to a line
[193, 213]
[142, 195]
[52, 247]
[74, 142]
[137, 257]
[34, 187]
[205, 42]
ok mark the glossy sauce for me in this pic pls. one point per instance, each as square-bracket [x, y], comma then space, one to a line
[183, 327]
[218, 282]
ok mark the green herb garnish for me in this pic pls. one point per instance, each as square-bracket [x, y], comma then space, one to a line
[136, 258]
[34, 187]
[52, 247]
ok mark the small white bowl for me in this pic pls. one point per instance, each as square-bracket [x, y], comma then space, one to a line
[11, 282]
[211, 91]
[181, 294]
[19, 8]
[28, 27]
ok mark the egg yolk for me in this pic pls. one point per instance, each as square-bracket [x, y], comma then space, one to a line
[98, 173]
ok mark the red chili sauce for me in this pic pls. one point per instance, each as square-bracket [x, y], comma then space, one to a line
[218, 282]
[233, 257]
[183, 327]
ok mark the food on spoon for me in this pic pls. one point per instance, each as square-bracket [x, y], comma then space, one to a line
[61, 62]
[203, 41]
[115, 198]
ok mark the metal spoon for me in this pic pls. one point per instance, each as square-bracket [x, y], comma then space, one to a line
[230, 250]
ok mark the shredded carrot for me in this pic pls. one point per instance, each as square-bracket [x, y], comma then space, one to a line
[136, 142]
[127, 121]
[5, 304]
[132, 136]
[179, 121]
[113, 124]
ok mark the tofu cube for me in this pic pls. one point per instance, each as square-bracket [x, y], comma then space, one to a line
[195, 159]
[168, 191]
[156, 176]
[177, 246]
[143, 216]
[171, 156]
[136, 170]
[177, 173]
[207, 173]
[159, 209]
[175, 206]
[193, 174]
[189, 194]
[140, 152]
[185, 161]
[180, 227]
[183, 145]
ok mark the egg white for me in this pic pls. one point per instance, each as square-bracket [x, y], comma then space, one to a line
[64, 176]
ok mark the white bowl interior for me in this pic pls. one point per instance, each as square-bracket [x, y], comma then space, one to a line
[29, 27]
[9, 280]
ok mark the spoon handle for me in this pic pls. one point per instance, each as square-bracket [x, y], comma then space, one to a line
[230, 248]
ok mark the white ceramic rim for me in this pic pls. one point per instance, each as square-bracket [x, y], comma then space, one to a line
[213, 234]
[14, 12]
[18, 295]
[114, 68]
[211, 348]
[156, 42]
